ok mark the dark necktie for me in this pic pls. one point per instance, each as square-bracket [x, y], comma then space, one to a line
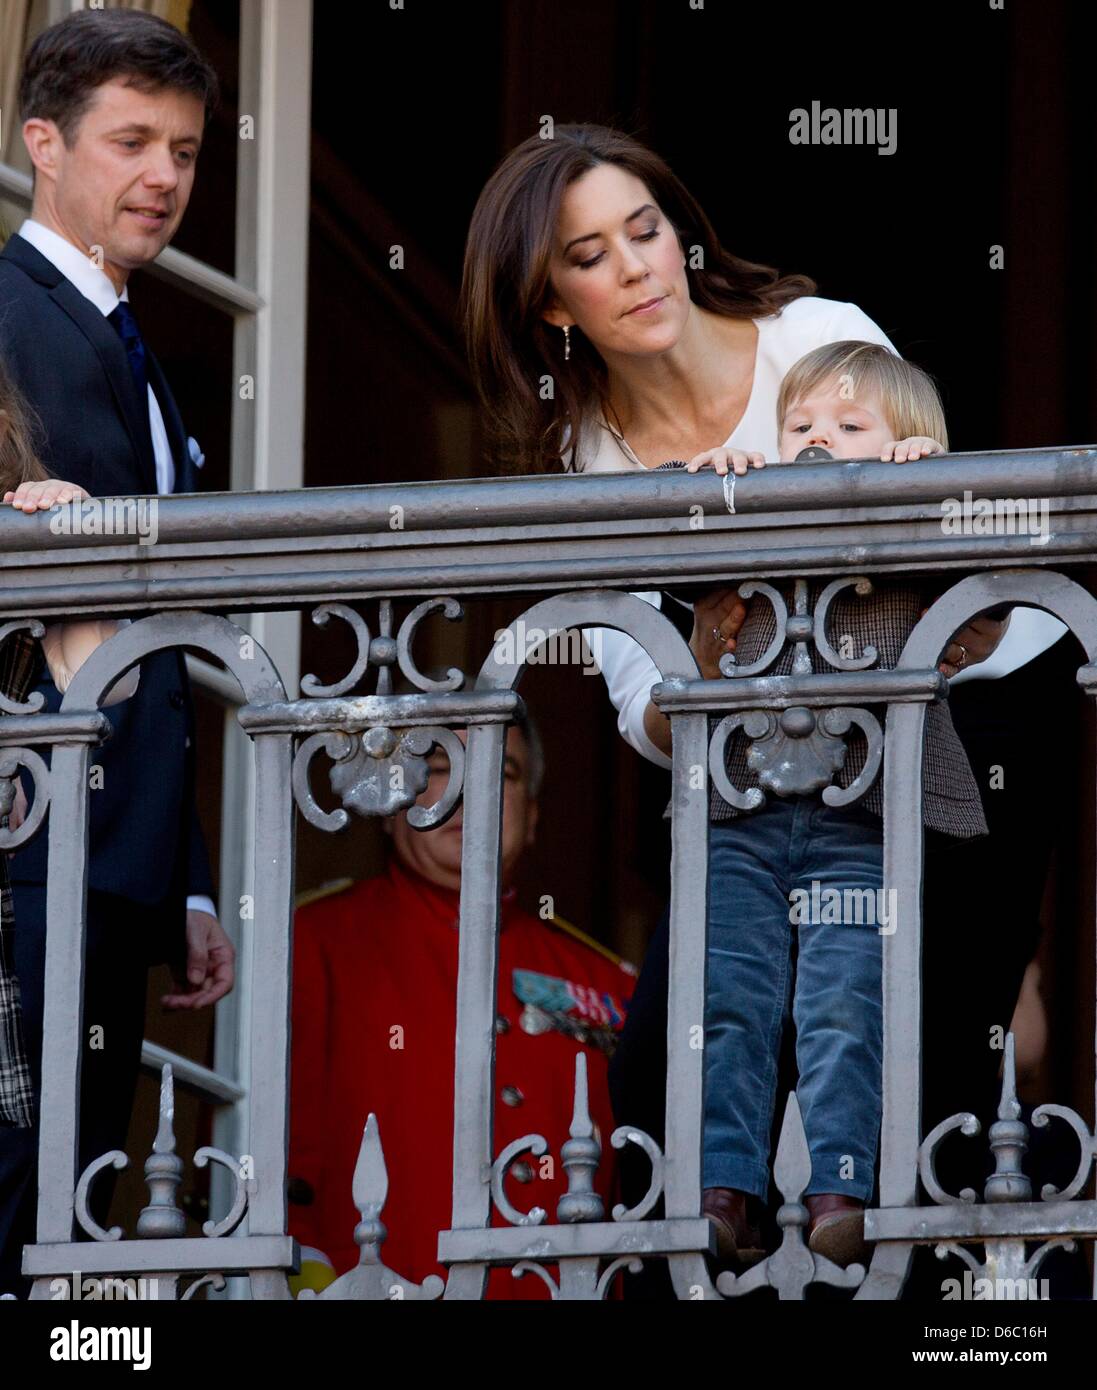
[125, 326]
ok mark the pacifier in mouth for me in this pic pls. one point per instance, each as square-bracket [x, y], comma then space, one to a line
[813, 454]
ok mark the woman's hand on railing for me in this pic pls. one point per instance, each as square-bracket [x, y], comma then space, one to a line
[972, 644]
[717, 618]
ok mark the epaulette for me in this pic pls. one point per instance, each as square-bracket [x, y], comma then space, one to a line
[573, 931]
[326, 890]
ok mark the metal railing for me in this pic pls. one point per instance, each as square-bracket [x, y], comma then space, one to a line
[575, 546]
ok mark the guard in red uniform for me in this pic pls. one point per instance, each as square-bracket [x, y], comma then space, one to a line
[374, 1013]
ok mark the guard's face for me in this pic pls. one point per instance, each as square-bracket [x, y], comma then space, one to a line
[436, 854]
[125, 183]
[617, 267]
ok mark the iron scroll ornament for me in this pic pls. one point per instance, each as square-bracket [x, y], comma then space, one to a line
[378, 773]
[384, 651]
[798, 751]
[382, 770]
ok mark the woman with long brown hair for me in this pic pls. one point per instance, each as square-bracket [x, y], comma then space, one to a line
[26, 486]
[609, 329]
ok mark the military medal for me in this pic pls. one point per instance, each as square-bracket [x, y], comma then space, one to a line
[577, 1011]
[534, 1020]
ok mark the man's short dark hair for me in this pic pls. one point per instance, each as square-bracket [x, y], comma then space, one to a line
[66, 64]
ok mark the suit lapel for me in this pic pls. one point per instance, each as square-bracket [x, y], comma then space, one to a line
[106, 344]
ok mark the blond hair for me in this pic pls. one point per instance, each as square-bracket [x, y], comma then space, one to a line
[906, 394]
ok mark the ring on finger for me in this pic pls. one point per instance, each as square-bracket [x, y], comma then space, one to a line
[963, 657]
[717, 635]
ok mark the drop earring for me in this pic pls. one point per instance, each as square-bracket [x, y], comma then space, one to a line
[567, 341]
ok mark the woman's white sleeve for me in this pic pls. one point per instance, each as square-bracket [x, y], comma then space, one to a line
[629, 674]
[851, 323]
[68, 645]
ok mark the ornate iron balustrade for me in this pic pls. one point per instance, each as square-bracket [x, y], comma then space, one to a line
[581, 540]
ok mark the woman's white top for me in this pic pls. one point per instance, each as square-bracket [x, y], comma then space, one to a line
[805, 324]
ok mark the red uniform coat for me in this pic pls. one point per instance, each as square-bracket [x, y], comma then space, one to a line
[374, 1014]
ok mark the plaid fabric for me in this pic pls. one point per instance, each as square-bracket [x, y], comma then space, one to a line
[16, 1096]
[884, 619]
[20, 660]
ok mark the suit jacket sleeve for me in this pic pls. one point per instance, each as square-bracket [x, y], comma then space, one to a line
[199, 876]
[309, 1068]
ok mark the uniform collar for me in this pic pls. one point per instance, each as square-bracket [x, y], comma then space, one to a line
[442, 903]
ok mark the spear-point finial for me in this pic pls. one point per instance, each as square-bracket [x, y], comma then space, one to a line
[370, 1190]
[162, 1219]
[1008, 1139]
[580, 1155]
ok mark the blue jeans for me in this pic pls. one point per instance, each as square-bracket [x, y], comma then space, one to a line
[757, 863]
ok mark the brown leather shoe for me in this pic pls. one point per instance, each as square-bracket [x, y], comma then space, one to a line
[738, 1242]
[838, 1229]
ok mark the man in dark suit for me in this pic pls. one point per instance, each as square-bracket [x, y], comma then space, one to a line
[114, 105]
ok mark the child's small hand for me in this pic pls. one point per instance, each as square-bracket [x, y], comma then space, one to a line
[33, 497]
[722, 459]
[904, 450]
